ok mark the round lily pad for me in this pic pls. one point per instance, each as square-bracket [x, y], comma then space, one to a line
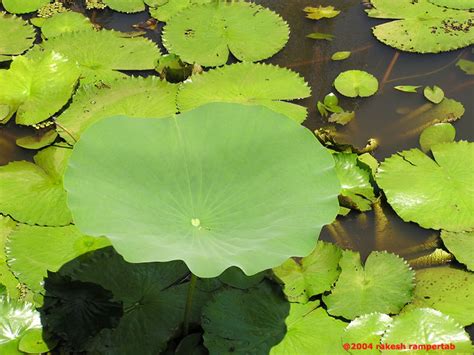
[436, 193]
[353, 83]
[23, 6]
[434, 94]
[238, 185]
[426, 326]
[384, 285]
[16, 35]
[206, 34]
[368, 330]
[65, 22]
[461, 244]
[164, 10]
[454, 4]
[438, 133]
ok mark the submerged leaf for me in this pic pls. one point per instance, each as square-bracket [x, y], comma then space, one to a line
[320, 35]
[341, 55]
[438, 133]
[353, 83]
[384, 285]
[37, 141]
[436, 193]
[23, 6]
[407, 88]
[342, 118]
[434, 94]
[317, 13]
[461, 244]
[466, 65]
[16, 35]
[421, 26]
[134, 97]
[34, 193]
[206, 34]
[37, 89]
[247, 83]
[65, 22]
[312, 275]
[228, 151]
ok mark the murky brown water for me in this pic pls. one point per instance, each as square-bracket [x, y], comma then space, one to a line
[376, 117]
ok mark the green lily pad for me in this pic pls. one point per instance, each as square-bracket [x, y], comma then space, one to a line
[100, 54]
[341, 55]
[65, 22]
[37, 141]
[206, 34]
[407, 88]
[433, 193]
[125, 5]
[454, 4]
[134, 97]
[16, 35]
[244, 322]
[448, 290]
[37, 89]
[368, 162]
[32, 342]
[203, 215]
[434, 94]
[353, 83]
[438, 133]
[33, 251]
[428, 327]
[7, 279]
[466, 66]
[357, 191]
[461, 245]
[33, 193]
[384, 285]
[317, 13]
[168, 8]
[366, 330]
[312, 275]
[16, 319]
[320, 35]
[421, 26]
[309, 327]
[250, 84]
[23, 6]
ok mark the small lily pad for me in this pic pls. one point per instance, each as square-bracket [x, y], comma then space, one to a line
[23, 6]
[65, 22]
[37, 141]
[312, 275]
[367, 330]
[427, 326]
[317, 13]
[164, 10]
[466, 66]
[320, 35]
[16, 35]
[341, 55]
[407, 88]
[434, 94]
[438, 133]
[433, 193]
[353, 83]
[461, 245]
[384, 285]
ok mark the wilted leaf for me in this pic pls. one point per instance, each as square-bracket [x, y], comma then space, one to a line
[320, 35]
[407, 88]
[317, 13]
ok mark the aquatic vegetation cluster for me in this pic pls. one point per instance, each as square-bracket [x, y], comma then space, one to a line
[174, 201]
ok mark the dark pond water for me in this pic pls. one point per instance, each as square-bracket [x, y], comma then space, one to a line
[383, 116]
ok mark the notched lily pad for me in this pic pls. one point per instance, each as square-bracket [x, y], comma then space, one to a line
[16, 35]
[207, 34]
[434, 94]
[435, 193]
[65, 22]
[353, 83]
[461, 245]
[249, 84]
[165, 9]
[438, 133]
[368, 330]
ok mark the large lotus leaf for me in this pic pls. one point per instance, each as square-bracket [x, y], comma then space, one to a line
[205, 34]
[23, 6]
[436, 193]
[7, 279]
[16, 35]
[16, 318]
[168, 8]
[134, 97]
[239, 185]
[250, 84]
[101, 53]
[384, 285]
[422, 26]
[311, 275]
[244, 322]
[357, 191]
[65, 22]
[461, 245]
[153, 306]
[427, 326]
[455, 4]
[366, 329]
[448, 290]
[310, 328]
[32, 251]
[34, 193]
[37, 89]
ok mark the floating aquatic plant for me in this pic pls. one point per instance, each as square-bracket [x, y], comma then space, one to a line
[203, 215]
[454, 4]
[317, 13]
[466, 66]
[23, 6]
[37, 141]
[341, 55]
[461, 244]
[353, 83]
[434, 94]
[166, 9]
[366, 330]
[65, 22]
[407, 88]
[320, 35]
[207, 34]
[16, 36]
[433, 193]
[8, 282]
[438, 133]
[247, 83]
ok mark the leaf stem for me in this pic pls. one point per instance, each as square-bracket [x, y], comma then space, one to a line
[189, 303]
